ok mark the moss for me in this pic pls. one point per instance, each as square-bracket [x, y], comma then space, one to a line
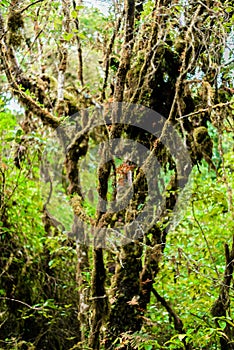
[15, 21]
[203, 144]
[15, 39]
[125, 311]
[200, 134]
[203, 140]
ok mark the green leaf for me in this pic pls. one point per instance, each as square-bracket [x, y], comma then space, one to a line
[229, 9]
[51, 262]
[9, 139]
[4, 3]
[68, 36]
[80, 7]
[82, 36]
[222, 324]
[19, 132]
[74, 14]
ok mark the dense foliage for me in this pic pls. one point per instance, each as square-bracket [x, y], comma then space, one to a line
[61, 287]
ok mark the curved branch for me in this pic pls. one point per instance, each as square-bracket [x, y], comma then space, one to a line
[15, 77]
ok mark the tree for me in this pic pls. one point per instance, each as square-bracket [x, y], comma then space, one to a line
[169, 57]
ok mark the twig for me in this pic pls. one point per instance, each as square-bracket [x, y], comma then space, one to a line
[34, 3]
[79, 49]
[22, 302]
[99, 297]
[219, 105]
[177, 321]
[108, 53]
[183, 69]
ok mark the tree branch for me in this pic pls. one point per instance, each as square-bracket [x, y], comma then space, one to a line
[178, 324]
[208, 109]
[15, 77]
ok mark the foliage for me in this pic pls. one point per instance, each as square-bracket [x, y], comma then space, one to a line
[60, 287]
[35, 294]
